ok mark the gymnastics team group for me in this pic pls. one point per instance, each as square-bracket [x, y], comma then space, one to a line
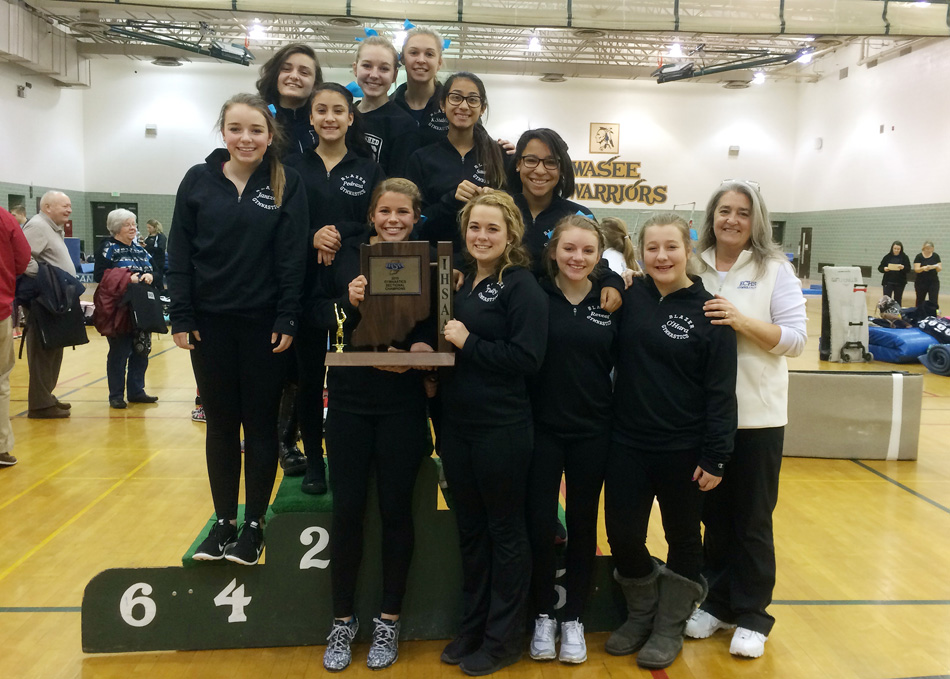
[666, 384]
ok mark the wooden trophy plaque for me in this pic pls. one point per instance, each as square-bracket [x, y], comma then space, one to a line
[399, 295]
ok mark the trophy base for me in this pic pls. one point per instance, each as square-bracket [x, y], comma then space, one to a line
[390, 358]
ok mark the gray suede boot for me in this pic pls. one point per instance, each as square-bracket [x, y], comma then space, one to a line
[641, 595]
[679, 597]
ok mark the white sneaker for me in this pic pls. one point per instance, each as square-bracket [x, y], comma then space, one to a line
[747, 643]
[544, 639]
[702, 624]
[573, 644]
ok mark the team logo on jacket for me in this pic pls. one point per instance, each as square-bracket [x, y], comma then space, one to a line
[678, 326]
[479, 174]
[353, 185]
[491, 292]
[597, 315]
[265, 198]
[439, 122]
[747, 285]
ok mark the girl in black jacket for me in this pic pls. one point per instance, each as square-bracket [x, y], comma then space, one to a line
[674, 420]
[571, 402]
[376, 422]
[500, 329]
[421, 94]
[895, 266]
[391, 132]
[236, 261]
[339, 184]
[455, 169]
[541, 177]
[286, 82]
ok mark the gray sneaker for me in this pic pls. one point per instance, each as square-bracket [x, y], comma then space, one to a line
[543, 643]
[385, 648]
[337, 656]
[573, 645]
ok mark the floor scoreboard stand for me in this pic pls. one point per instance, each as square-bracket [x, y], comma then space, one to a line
[286, 600]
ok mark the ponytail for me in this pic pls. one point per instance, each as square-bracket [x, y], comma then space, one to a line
[278, 139]
[618, 238]
[489, 155]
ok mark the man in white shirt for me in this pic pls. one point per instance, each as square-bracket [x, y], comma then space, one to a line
[44, 231]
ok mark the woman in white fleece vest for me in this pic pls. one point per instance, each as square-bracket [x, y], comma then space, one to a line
[758, 294]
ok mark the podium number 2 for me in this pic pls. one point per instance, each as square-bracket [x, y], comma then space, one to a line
[130, 600]
[309, 559]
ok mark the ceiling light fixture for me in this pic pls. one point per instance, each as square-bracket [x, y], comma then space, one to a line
[534, 44]
[675, 51]
[257, 32]
[758, 77]
[399, 39]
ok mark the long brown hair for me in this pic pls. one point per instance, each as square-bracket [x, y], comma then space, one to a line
[486, 149]
[267, 83]
[278, 141]
[618, 238]
[515, 254]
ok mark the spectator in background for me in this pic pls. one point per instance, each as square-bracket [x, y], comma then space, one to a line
[155, 244]
[122, 252]
[14, 258]
[927, 265]
[895, 266]
[45, 235]
[19, 213]
[620, 253]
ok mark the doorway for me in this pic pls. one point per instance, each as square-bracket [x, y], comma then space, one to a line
[804, 253]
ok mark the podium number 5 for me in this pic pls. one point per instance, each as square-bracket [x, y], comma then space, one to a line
[129, 601]
[306, 538]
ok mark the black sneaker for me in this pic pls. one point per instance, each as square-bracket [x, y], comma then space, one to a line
[292, 461]
[221, 536]
[315, 480]
[247, 550]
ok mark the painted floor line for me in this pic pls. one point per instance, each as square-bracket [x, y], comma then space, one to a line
[903, 487]
[89, 384]
[40, 609]
[43, 480]
[16, 564]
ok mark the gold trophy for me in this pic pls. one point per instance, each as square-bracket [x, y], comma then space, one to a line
[340, 320]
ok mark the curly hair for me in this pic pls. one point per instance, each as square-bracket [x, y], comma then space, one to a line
[515, 253]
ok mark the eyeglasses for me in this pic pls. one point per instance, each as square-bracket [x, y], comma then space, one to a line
[473, 100]
[531, 162]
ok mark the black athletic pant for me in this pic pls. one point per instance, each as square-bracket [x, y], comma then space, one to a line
[392, 447]
[739, 550]
[925, 290]
[895, 291]
[633, 479]
[487, 468]
[583, 462]
[311, 349]
[239, 379]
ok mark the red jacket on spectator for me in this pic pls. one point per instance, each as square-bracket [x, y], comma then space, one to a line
[111, 316]
[14, 256]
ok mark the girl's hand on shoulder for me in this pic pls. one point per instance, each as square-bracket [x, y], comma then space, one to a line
[357, 290]
[705, 480]
[181, 339]
[456, 333]
[459, 279]
[507, 147]
[283, 342]
[610, 300]
[629, 274]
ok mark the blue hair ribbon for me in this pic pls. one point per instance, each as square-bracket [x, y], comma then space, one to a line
[354, 89]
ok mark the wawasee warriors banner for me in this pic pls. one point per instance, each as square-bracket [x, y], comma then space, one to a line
[637, 192]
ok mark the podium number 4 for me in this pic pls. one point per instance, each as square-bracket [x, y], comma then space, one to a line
[233, 596]
[309, 559]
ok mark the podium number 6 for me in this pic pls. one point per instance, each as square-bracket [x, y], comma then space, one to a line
[129, 601]
[306, 538]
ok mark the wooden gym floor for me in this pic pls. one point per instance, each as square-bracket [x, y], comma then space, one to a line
[863, 547]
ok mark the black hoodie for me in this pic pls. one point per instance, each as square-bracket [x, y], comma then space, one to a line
[676, 375]
[433, 124]
[571, 394]
[393, 136]
[236, 255]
